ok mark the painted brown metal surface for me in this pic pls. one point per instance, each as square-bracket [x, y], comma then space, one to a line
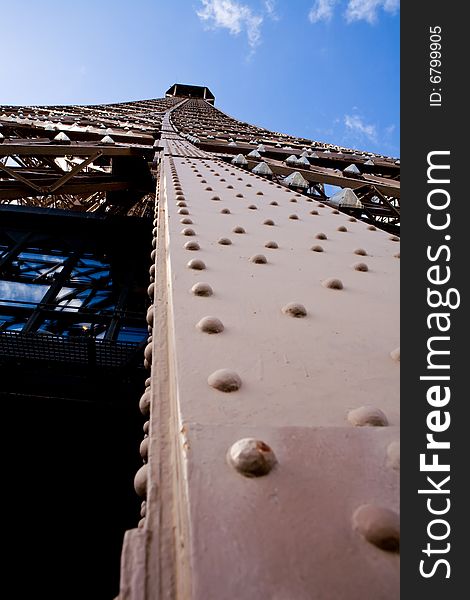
[271, 443]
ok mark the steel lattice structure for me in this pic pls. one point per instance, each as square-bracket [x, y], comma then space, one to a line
[268, 333]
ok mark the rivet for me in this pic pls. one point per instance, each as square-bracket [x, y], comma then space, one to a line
[224, 241]
[314, 212]
[321, 236]
[147, 365]
[208, 189]
[294, 217]
[367, 415]
[393, 455]
[268, 222]
[210, 325]
[238, 229]
[183, 211]
[215, 198]
[225, 380]
[148, 382]
[196, 264]
[202, 289]
[148, 352]
[181, 203]
[395, 354]
[146, 427]
[251, 457]
[144, 403]
[360, 252]
[141, 523]
[317, 248]
[143, 509]
[360, 266]
[230, 187]
[397, 255]
[394, 238]
[274, 203]
[333, 284]
[140, 481]
[292, 199]
[341, 228]
[260, 193]
[152, 271]
[294, 309]
[203, 181]
[271, 245]
[352, 219]
[186, 221]
[335, 212]
[259, 259]
[192, 246]
[320, 205]
[188, 231]
[225, 211]
[239, 196]
[151, 291]
[378, 525]
[150, 315]
[144, 448]
[371, 227]
[249, 185]
[253, 207]
[180, 197]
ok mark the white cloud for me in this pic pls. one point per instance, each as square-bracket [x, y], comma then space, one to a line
[356, 125]
[322, 10]
[366, 10]
[231, 15]
[270, 8]
[356, 10]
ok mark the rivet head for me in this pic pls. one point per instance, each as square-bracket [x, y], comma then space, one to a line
[144, 448]
[260, 193]
[196, 264]
[333, 284]
[146, 427]
[274, 203]
[317, 248]
[188, 231]
[268, 222]
[394, 238]
[371, 227]
[225, 211]
[238, 229]
[192, 246]
[208, 189]
[202, 289]
[341, 228]
[224, 241]
[253, 207]
[360, 252]
[225, 380]
[210, 325]
[259, 259]
[378, 525]
[183, 211]
[230, 187]
[367, 416]
[314, 212]
[397, 255]
[395, 354]
[294, 217]
[292, 199]
[239, 196]
[180, 197]
[294, 309]
[352, 219]
[321, 236]
[186, 221]
[181, 203]
[251, 457]
[150, 315]
[360, 266]
[335, 212]
[144, 404]
[393, 455]
[140, 481]
[271, 244]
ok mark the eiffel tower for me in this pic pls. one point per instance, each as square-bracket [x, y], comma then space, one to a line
[209, 311]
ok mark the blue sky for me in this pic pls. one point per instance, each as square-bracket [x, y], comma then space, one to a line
[325, 69]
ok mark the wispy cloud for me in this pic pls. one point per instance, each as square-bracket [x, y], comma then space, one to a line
[356, 10]
[270, 8]
[233, 16]
[366, 10]
[357, 126]
[322, 10]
